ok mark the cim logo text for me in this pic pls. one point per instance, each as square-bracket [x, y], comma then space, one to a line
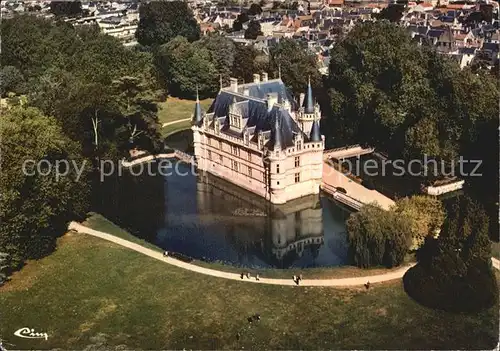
[29, 333]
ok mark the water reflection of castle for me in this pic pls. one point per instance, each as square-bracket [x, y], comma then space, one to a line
[276, 234]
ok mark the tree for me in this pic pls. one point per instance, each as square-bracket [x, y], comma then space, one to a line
[253, 30]
[425, 215]
[254, 9]
[238, 23]
[377, 237]
[222, 51]
[161, 21]
[392, 13]
[30, 228]
[454, 271]
[244, 65]
[297, 65]
[11, 80]
[66, 8]
[186, 67]
[135, 103]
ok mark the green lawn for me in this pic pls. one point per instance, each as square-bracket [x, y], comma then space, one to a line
[98, 222]
[174, 109]
[93, 292]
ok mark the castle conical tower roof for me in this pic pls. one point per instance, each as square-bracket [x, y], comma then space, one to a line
[277, 140]
[315, 132]
[198, 116]
[309, 106]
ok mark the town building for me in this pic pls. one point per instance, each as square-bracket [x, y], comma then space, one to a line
[258, 137]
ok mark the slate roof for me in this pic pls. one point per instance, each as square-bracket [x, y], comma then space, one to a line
[259, 117]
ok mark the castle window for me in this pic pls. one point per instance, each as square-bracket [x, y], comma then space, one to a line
[220, 145]
[277, 168]
[221, 159]
[297, 161]
[235, 166]
[209, 141]
[235, 150]
[249, 156]
[209, 154]
[297, 177]
[249, 172]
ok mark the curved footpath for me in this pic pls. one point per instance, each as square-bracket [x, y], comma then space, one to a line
[175, 122]
[342, 282]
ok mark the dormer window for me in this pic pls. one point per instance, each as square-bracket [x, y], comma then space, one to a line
[235, 121]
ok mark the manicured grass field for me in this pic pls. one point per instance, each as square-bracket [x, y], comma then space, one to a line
[174, 109]
[92, 292]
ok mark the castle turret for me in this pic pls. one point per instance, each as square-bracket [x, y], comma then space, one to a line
[308, 112]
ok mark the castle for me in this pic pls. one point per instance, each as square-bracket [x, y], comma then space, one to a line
[258, 137]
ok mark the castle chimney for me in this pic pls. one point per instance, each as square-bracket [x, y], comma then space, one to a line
[246, 92]
[264, 76]
[272, 98]
[302, 96]
[234, 84]
[256, 78]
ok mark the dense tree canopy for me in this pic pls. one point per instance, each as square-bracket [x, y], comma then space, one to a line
[408, 101]
[29, 228]
[253, 30]
[161, 21]
[297, 65]
[254, 9]
[66, 8]
[392, 13]
[71, 78]
[238, 23]
[94, 98]
[222, 52]
[247, 61]
[11, 80]
[188, 66]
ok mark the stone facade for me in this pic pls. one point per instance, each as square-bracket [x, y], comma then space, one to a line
[256, 136]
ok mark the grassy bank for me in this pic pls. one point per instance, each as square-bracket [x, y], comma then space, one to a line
[92, 292]
[98, 222]
[175, 109]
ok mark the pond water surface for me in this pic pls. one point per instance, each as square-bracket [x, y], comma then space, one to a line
[210, 219]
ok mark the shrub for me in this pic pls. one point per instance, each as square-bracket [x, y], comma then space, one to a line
[454, 271]
[377, 237]
[426, 216]
[475, 290]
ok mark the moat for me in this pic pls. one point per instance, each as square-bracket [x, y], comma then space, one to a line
[210, 219]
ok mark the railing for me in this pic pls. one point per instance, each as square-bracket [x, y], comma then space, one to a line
[341, 197]
[185, 157]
